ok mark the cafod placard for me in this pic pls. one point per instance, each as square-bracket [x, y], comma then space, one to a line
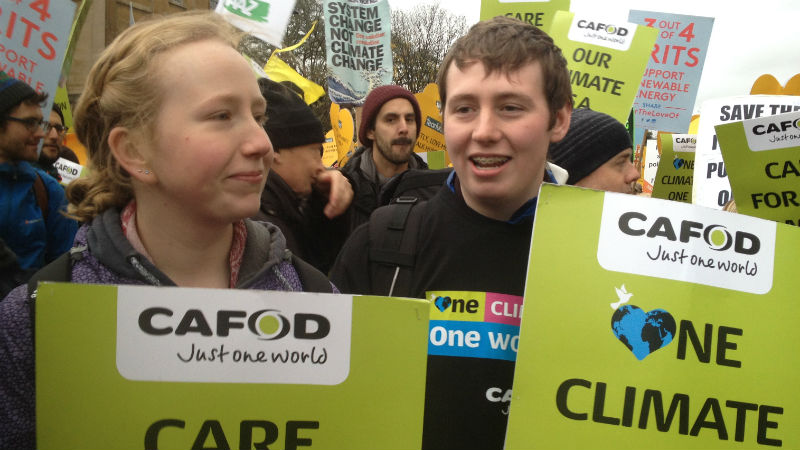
[606, 59]
[121, 367]
[674, 176]
[537, 13]
[711, 187]
[667, 92]
[657, 325]
[762, 157]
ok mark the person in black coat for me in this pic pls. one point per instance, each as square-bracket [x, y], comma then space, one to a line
[304, 199]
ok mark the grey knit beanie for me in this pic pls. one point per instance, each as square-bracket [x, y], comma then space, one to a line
[592, 139]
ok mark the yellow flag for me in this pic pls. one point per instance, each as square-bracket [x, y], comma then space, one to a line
[278, 71]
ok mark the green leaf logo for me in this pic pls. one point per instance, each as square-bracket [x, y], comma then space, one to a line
[255, 10]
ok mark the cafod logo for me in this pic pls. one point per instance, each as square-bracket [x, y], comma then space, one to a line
[641, 332]
[265, 324]
[249, 9]
[717, 237]
[599, 26]
[777, 127]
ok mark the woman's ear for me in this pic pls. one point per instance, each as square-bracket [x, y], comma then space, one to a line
[124, 146]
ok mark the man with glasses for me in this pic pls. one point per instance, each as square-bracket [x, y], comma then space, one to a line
[53, 144]
[32, 223]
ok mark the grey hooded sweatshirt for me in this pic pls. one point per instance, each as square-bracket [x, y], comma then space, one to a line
[101, 254]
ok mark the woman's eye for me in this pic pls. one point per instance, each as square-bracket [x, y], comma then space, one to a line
[223, 115]
[261, 120]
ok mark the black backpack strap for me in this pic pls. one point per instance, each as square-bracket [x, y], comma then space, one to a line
[393, 234]
[40, 192]
[312, 279]
[60, 269]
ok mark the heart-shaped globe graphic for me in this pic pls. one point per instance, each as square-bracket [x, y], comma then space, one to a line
[643, 333]
[442, 303]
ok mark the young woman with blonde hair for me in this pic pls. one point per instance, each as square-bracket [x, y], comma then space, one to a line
[172, 117]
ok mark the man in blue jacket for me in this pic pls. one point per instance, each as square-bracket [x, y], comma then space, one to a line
[32, 224]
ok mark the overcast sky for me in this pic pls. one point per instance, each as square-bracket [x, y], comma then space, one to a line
[749, 38]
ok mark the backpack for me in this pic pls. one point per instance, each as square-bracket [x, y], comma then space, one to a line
[393, 235]
[420, 183]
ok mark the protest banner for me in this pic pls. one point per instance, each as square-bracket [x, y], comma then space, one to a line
[34, 41]
[762, 158]
[330, 156]
[605, 58]
[537, 13]
[674, 335]
[668, 90]
[431, 135]
[650, 159]
[119, 367]
[711, 187]
[475, 333]
[343, 127]
[437, 159]
[769, 85]
[674, 177]
[264, 19]
[358, 48]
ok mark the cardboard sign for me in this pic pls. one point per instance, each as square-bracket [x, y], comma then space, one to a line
[711, 187]
[436, 159]
[119, 366]
[330, 156]
[264, 19]
[762, 157]
[537, 13]
[667, 92]
[674, 177]
[33, 43]
[358, 47]
[431, 134]
[473, 333]
[657, 325]
[69, 171]
[605, 58]
[769, 85]
[651, 159]
[342, 127]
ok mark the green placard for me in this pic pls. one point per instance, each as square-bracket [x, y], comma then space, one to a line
[676, 167]
[349, 373]
[539, 14]
[762, 157]
[606, 61]
[657, 325]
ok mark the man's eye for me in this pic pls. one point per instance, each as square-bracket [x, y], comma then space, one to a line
[222, 115]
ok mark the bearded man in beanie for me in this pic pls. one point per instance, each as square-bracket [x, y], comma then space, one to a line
[390, 125]
[597, 153]
[32, 203]
[302, 198]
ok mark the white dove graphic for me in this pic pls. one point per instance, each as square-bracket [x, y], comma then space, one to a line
[623, 296]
